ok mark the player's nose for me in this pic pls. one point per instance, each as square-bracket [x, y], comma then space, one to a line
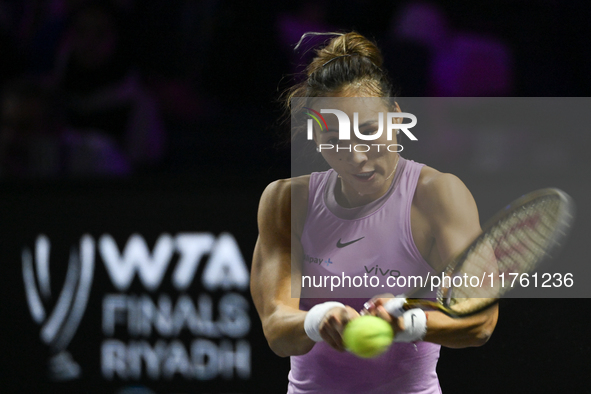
[359, 154]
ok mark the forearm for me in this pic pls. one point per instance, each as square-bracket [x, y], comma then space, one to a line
[461, 332]
[284, 330]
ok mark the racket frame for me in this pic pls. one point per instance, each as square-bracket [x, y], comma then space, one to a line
[564, 222]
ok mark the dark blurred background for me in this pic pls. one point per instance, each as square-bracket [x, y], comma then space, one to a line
[151, 99]
[159, 88]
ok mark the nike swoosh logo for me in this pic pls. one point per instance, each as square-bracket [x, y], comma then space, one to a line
[340, 245]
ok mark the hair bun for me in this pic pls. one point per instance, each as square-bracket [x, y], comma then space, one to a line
[342, 45]
[353, 44]
[349, 63]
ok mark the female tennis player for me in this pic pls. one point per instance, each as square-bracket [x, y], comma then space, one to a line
[372, 209]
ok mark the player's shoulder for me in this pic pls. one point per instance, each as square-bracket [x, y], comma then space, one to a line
[436, 190]
[282, 191]
[285, 199]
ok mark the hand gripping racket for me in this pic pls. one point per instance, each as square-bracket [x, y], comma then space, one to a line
[516, 241]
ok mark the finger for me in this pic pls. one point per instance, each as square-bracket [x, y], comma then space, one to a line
[382, 313]
[332, 329]
[368, 308]
[338, 323]
[327, 333]
[328, 339]
[381, 301]
[373, 310]
[351, 314]
[370, 305]
[334, 326]
[397, 323]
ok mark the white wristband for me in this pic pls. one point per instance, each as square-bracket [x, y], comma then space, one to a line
[314, 318]
[415, 326]
[394, 306]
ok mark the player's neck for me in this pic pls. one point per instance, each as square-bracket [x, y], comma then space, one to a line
[348, 197]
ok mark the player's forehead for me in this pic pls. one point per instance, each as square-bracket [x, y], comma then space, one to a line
[367, 108]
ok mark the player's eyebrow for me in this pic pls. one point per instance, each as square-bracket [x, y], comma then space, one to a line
[367, 123]
[362, 125]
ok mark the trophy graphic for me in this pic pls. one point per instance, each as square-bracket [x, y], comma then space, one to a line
[59, 326]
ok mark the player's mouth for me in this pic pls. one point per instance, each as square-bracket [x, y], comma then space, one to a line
[365, 176]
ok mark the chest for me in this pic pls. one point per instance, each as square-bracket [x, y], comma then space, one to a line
[382, 245]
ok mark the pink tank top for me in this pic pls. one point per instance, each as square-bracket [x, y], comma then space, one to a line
[375, 240]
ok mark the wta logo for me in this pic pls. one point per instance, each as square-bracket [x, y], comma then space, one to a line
[154, 319]
[59, 326]
[386, 122]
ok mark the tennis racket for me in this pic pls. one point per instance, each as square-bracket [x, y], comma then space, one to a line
[516, 241]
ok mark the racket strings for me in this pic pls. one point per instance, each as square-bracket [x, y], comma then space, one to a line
[529, 236]
[516, 244]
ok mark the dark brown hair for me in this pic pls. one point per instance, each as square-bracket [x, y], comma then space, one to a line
[349, 63]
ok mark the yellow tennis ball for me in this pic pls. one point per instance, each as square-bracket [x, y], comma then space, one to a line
[368, 336]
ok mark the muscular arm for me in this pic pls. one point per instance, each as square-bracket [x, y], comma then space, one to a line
[283, 322]
[281, 222]
[447, 209]
[453, 218]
